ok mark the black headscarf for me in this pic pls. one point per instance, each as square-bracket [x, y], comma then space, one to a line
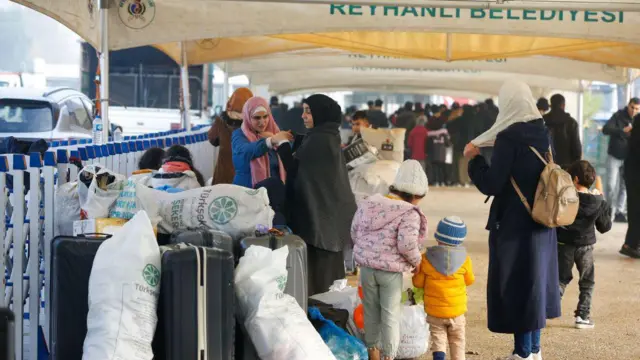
[324, 109]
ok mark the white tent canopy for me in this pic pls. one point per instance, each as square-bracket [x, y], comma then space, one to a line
[476, 95]
[329, 58]
[147, 22]
[481, 81]
[387, 83]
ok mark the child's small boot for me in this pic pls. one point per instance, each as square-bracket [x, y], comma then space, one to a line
[439, 355]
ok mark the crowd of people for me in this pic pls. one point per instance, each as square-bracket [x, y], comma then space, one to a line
[298, 158]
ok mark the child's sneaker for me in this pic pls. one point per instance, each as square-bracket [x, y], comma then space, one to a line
[537, 356]
[584, 323]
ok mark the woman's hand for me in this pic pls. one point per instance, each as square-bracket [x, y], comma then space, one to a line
[282, 136]
[266, 134]
[471, 151]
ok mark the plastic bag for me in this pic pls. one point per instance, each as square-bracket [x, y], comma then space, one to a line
[123, 294]
[345, 298]
[233, 209]
[374, 178]
[341, 296]
[98, 189]
[414, 332]
[277, 326]
[260, 271]
[67, 208]
[135, 197]
[342, 345]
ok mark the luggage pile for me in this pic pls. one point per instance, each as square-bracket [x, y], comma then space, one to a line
[374, 161]
[143, 274]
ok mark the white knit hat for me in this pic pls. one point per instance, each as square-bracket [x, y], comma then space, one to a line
[411, 179]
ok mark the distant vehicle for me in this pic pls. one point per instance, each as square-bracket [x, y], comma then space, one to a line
[8, 79]
[49, 114]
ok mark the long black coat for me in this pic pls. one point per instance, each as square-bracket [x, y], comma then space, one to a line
[523, 289]
[632, 178]
[320, 202]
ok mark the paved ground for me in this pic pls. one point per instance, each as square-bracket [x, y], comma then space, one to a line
[616, 298]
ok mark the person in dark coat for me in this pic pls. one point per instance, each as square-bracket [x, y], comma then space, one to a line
[292, 120]
[407, 119]
[277, 111]
[618, 128]
[575, 242]
[631, 245]
[565, 133]
[377, 117]
[320, 202]
[462, 130]
[523, 289]
[220, 135]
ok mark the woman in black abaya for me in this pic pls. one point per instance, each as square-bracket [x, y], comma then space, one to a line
[320, 202]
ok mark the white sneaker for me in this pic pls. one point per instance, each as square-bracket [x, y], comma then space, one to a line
[584, 323]
[516, 357]
[537, 356]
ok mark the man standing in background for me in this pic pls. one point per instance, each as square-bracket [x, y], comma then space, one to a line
[618, 128]
[377, 117]
[565, 132]
[276, 110]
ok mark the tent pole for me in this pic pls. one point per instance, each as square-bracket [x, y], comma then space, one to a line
[104, 69]
[225, 84]
[186, 97]
[581, 110]
[628, 91]
[449, 43]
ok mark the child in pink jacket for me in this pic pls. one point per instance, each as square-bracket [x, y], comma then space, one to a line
[388, 232]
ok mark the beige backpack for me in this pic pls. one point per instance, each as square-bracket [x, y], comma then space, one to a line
[556, 202]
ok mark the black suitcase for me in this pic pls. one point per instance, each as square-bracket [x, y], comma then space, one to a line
[297, 278]
[71, 263]
[197, 304]
[6, 334]
[207, 238]
[339, 316]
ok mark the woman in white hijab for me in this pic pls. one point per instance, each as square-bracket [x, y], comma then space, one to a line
[523, 289]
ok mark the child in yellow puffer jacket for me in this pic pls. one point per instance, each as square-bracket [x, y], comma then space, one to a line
[444, 274]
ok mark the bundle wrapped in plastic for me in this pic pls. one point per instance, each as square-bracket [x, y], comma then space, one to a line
[389, 142]
[233, 209]
[373, 178]
[277, 325]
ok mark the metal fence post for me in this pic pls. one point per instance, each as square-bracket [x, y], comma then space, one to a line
[49, 230]
[33, 268]
[4, 169]
[18, 167]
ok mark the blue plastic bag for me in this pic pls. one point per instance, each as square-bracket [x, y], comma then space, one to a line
[169, 189]
[342, 345]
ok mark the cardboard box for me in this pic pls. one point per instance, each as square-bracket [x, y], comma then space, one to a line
[100, 226]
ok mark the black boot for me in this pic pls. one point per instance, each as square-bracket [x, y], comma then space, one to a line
[630, 252]
[620, 218]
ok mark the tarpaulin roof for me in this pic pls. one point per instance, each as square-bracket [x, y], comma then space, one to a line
[329, 58]
[408, 31]
[345, 78]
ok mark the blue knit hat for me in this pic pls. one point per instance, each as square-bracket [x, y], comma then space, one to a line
[451, 231]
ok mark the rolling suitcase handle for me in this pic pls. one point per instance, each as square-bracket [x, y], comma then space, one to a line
[273, 241]
[6, 334]
[95, 236]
